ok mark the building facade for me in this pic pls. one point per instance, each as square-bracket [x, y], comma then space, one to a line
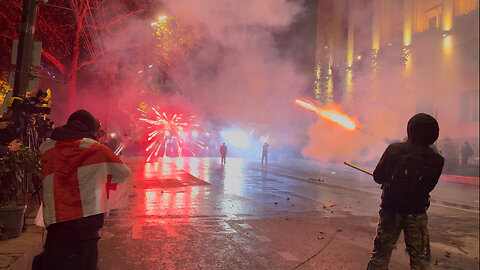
[402, 56]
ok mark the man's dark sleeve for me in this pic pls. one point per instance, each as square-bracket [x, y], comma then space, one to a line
[380, 172]
[431, 181]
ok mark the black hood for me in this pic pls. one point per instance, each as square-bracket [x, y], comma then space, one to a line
[81, 124]
[422, 129]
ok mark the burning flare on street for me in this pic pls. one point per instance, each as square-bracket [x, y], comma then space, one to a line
[333, 114]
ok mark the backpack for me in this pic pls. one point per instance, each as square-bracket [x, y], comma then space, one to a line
[407, 187]
[412, 169]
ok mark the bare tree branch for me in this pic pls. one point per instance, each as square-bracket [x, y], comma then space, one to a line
[54, 61]
[122, 17]
[11, 26]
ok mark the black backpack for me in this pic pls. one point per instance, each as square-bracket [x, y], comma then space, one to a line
[412, 169]
[408, 185]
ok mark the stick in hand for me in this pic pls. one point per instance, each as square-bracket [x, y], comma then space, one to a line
[358, 168]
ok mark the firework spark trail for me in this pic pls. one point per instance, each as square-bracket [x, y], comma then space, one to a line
[168, 130]
[330, 114]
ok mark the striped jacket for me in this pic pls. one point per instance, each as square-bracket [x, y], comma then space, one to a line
[81, 178]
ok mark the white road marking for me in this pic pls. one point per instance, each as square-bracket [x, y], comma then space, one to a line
[263, 238]
[287, 256]
[169, 229]
[226, 227]
[456, 208]
[245, 226]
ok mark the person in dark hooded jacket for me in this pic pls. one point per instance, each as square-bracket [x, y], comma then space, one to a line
[408, 172]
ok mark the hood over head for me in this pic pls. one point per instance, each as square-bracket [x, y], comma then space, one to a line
[80, 124]
[422, 129]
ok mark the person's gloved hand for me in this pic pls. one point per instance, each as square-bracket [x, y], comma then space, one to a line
[14, 145]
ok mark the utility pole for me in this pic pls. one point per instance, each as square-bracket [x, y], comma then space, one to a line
[22, 74]
[25, 48]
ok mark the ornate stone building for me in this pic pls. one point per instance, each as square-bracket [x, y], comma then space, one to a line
[402, 57]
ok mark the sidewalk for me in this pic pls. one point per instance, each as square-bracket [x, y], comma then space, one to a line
[17, 253]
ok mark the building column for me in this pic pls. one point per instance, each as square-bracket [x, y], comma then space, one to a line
[447, 14]
[376, 24]
[351, 33]
[407, 22]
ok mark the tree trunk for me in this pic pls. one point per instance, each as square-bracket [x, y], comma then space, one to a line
[72, 89]
[72, 71]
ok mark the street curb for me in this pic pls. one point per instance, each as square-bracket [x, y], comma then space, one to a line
[469, 180]
[475, 209]
[25, 261]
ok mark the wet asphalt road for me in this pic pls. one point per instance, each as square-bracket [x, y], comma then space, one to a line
[193, 213]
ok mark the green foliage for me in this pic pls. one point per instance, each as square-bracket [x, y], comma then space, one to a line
[13, 166]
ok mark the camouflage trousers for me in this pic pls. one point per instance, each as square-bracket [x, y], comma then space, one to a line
[414, 228]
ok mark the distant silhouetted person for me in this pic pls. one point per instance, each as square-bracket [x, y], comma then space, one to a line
[408, 172]
[223, 153]
[467, 152]
[265, 152]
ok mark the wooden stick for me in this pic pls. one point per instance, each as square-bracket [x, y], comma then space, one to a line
[358, 168]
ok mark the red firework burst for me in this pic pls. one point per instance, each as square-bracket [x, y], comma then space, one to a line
[167, 134]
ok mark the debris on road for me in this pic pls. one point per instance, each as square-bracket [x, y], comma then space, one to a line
[329, 205]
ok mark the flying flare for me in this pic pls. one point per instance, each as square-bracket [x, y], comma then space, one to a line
[331, 114]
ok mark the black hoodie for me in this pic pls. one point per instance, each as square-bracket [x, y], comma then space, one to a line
[80, 124]
[410, 197]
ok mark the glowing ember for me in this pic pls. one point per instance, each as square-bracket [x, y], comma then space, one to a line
[331, 114]
[175, 39]
[168, 134]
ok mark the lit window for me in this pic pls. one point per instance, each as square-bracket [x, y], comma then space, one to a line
[425, 106]
[432, 23]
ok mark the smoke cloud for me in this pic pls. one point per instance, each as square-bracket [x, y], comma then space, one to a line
[237, 75]
[428, 76]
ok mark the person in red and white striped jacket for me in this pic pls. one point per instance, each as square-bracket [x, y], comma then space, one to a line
[82, 179]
